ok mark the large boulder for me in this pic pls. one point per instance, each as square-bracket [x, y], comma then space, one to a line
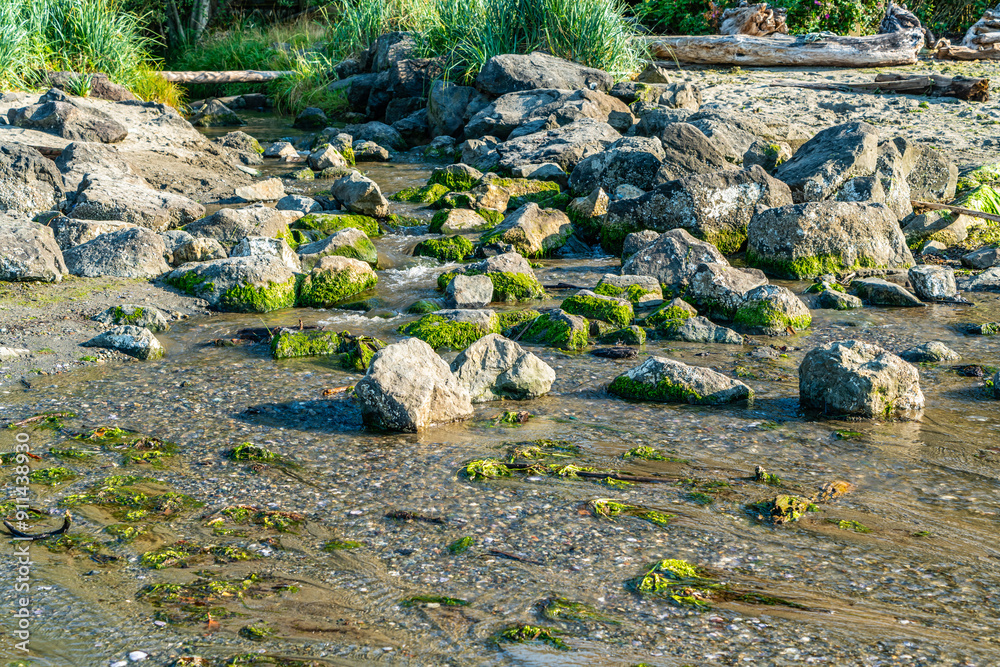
[29, 182]
[361, 195]
[469, 291]
[668, 381]
[834, 156]
[257, 284]
[629, 161]
[216, 114]
[495, 368]
[551, 108]
[128, 253]
[715, 207]
[133, 202]
[721, 290]
[450, 107]
[408, 387]
[380, 133]
[565, 146]
[347, 242]
[271, 189]
[199, 249]
[138, 342]
[511, 72]
[984, 258]
[69, 121]
[808, 240]
[673, 258]
[557, 328]
[688, 151]
[229, 226]
[333, 279]
[854, 378]
[772, 310]
[987, 281]
[532, 231]
[934, 177]
[29, 252]
[879, 292]
[731, 132]
[271, 247]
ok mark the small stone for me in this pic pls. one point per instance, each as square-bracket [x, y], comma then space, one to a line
[269, 190]
[931, 352]
[933, 283]
[137, 656]
[837, 300]
[134, 341]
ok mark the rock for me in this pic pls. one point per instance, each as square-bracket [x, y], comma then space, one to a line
[369, 151]
[459, 221]
[686, 151]
[69, 121]
[229, 226]
[147, 317]
[216, 114]
[987, 281]
[673, 258]
[551, 108]
[248, 148]
[932, 248]
[566, 145]
[642, 291]
[256, 284]
[8, 353]
[831, 158]
[348, 242]
[496, 368]
[673, 96]
[441, 147]
[29, 182]
[455, 329]
[361, 195]
[933, 283]
[932, 352]
[859, 379]
[766, 154]
[380, 133]
[532, 231]
[69, 232]
[636, 241]
[299, 204]
[891, 170]
[388, 49]
[807, 240]
[772, 310]
[408, 387]
[133, 202]
[134, 341]
[450, 107]
[934, 177]
[721, 289]
[456, 177]
[654, 73]
[172, 240]
[558, 328]
[326, 158]
[654, 118]
[628, 161]
[199, 250]
[101, 87]
[731, 132]
[29, 253]
[263, 246]
[547, 171]
[269, 190]
[512, 72]
[700, 330]
[311, 118]
[668, 381]
[587, 214]
[983, 258]
[593, 306]
[333, 279]
[715, 207]
[940, 226]
[281, 149]
[130, 253]
[836, 300]
[880, 292]
[469, 291]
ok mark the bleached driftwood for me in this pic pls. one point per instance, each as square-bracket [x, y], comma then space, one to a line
[945, 51]
[758, 20]
[985, 32]
[962, 87]
[239, 76]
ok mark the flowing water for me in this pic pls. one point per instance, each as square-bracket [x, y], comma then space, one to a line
[921, 588]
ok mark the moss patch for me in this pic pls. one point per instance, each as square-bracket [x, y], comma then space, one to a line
[247, 298]
[289, 343]
[428, 194]
[514, 318]
[663, 391]
[440, 332]
[668, 318]
[632, 335]
[452, 181]
[325, 288]
[447, 249]
[514, 287]
[556, 332]
[322, 225]
[760, 315]
[806, 267]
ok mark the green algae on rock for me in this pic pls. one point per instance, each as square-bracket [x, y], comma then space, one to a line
[597, 307]
[333, 279]
[291, 343]
[632, 335]
[453, 329]
[321, 225]
[427, 194]
[668, 381]
[257, 284]
[560, 329]
[781, 509]
[772, 310]
[461, 545]
[446, 249]
[528, 633]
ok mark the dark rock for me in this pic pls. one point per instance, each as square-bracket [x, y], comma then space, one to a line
[510, 72]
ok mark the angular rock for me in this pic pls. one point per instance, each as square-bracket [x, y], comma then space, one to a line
[256, 284]
[859, 379]
[880, 292]
[673, 258]
[281, 149]
[229, 226]
[199, 250]
[469, 291]
[932, 352]
[834, 156]
[251, 246]
[269, 190]
[642, 291]
[369, 151]
[593, 306]
[459, 221]
[130, 253]
[983, 258]
[947, 228]
[495, 368]
[147, 317]
[807, 240]
[450, 107]
[512, 72]
[29, 182]
[333, 279]
[552, 108]
[721, 289]
[69, 232]
[700, 330]
[311, 118]
[557, 328]
[688, 151]
[361, 195]
[132, 202]
[532, 231]
[326, 158]
[566, 145]
[380, 133]
[348, 242]
[69, 121]
[731, 132]
[216, 114]
[772, 310]
[934, 177]
[134, 341]
[667, 381]
[987, 281]
[29, 253]
[299, 204]
[933, 283]
[629, 161]
[766, 154]
[837, 300]
[636, 241]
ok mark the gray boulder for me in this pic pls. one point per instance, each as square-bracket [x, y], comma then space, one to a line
[837, 300]
[934, 177]
[668, 381]
[130, 253]
[462, 220]
[199, 250]
[216, 114]
[669, 95]
[281, 149]
[636, 241]
[834, 156]
[947, 228]
[731, 132]
[766, 154]
[361, 195]
[69, 121]
[553, 108]
[134, 202]
[652, 293]
[933, 283]
[29, 182]
[880, 292]
[566, 145]
[408, 387]
[688, 151]
[983, 258]
[854, 378]
[532, 231]
[450, 107]
[348, 242]
[271, 189]
[69, 232]
[147, 317]
[172, 240]
[326, 158]
[495, 368]
[138, 342]
[369, 151]
[629, 161]
[469, 291]
[298, 203]
[987, 281]
[722, 290]
[701, 330]
[806, 240]
[772, 310]
[380, 133]
[251, 246]
[673, 258]
[512, 72]
[257, 284]
[311, 118]
[932, 352]
[29, 252]
[229, 226]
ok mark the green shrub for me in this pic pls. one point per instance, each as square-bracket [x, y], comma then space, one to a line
[702, 17]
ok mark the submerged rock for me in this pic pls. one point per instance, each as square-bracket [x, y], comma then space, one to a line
[408, 387]
[668, 381]
[837, 300]
[880, 292]
[856, 378]
[495, 368]
[134, 341]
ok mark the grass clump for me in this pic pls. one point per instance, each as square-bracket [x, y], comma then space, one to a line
[483, 469]
[246, 451]
[441, 600]
[845, 524]
[645, 453]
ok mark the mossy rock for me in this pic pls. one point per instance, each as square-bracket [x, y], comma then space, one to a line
[322, 225]
[439, 331]
[291, 343]
[428, 194]
[305, 174]
[424, 306]
[447, 249]
[453, 181]
[513, 319]
[669, 317]
[632, 335]
[545, 199]
[507, 287]
[247, 298]
[806, 267]
[333, 280]
[558, 329]
[593, 306]
[490, 219]
[633, 292]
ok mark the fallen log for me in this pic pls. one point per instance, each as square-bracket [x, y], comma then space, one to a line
[982, 28]
[972, 213]
[961, 87]
[945, 51]
[239, 76]
[888, 50]
[759, 20]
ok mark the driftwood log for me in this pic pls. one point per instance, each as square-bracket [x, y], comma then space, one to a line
[985, 32]
[945, 51]
[758, 20]
[962, 87]
[889, 50]
[239, 76]
[972, 213]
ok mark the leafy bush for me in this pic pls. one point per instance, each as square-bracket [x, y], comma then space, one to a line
[701, 17]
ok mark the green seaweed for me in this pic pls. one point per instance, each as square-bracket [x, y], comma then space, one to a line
[322, 225]
[341, 545]
[324, 289]
[51, 476]
[663, 391]
[440, 332]
[527, 633]
[427, 194]
[447, 249]
[247, 298]
[454, 181]
[441, 600]
[845, 524]
[461, 545]
[556, 332]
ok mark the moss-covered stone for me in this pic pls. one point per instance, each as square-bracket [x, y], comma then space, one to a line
[428, 194]
[291, 343]
[806, 267]
[669, 317]
[514, 287]
[321, 225]
[441, 332]
[490, 219]
[592, 306]
[558, 329]
[447, 249]
[762, 316]
[452, 181]
[424, 306]
[663, 391]
[510, 319]
[324, 287]
[247, 298]
[632, 335]
[304, 174]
